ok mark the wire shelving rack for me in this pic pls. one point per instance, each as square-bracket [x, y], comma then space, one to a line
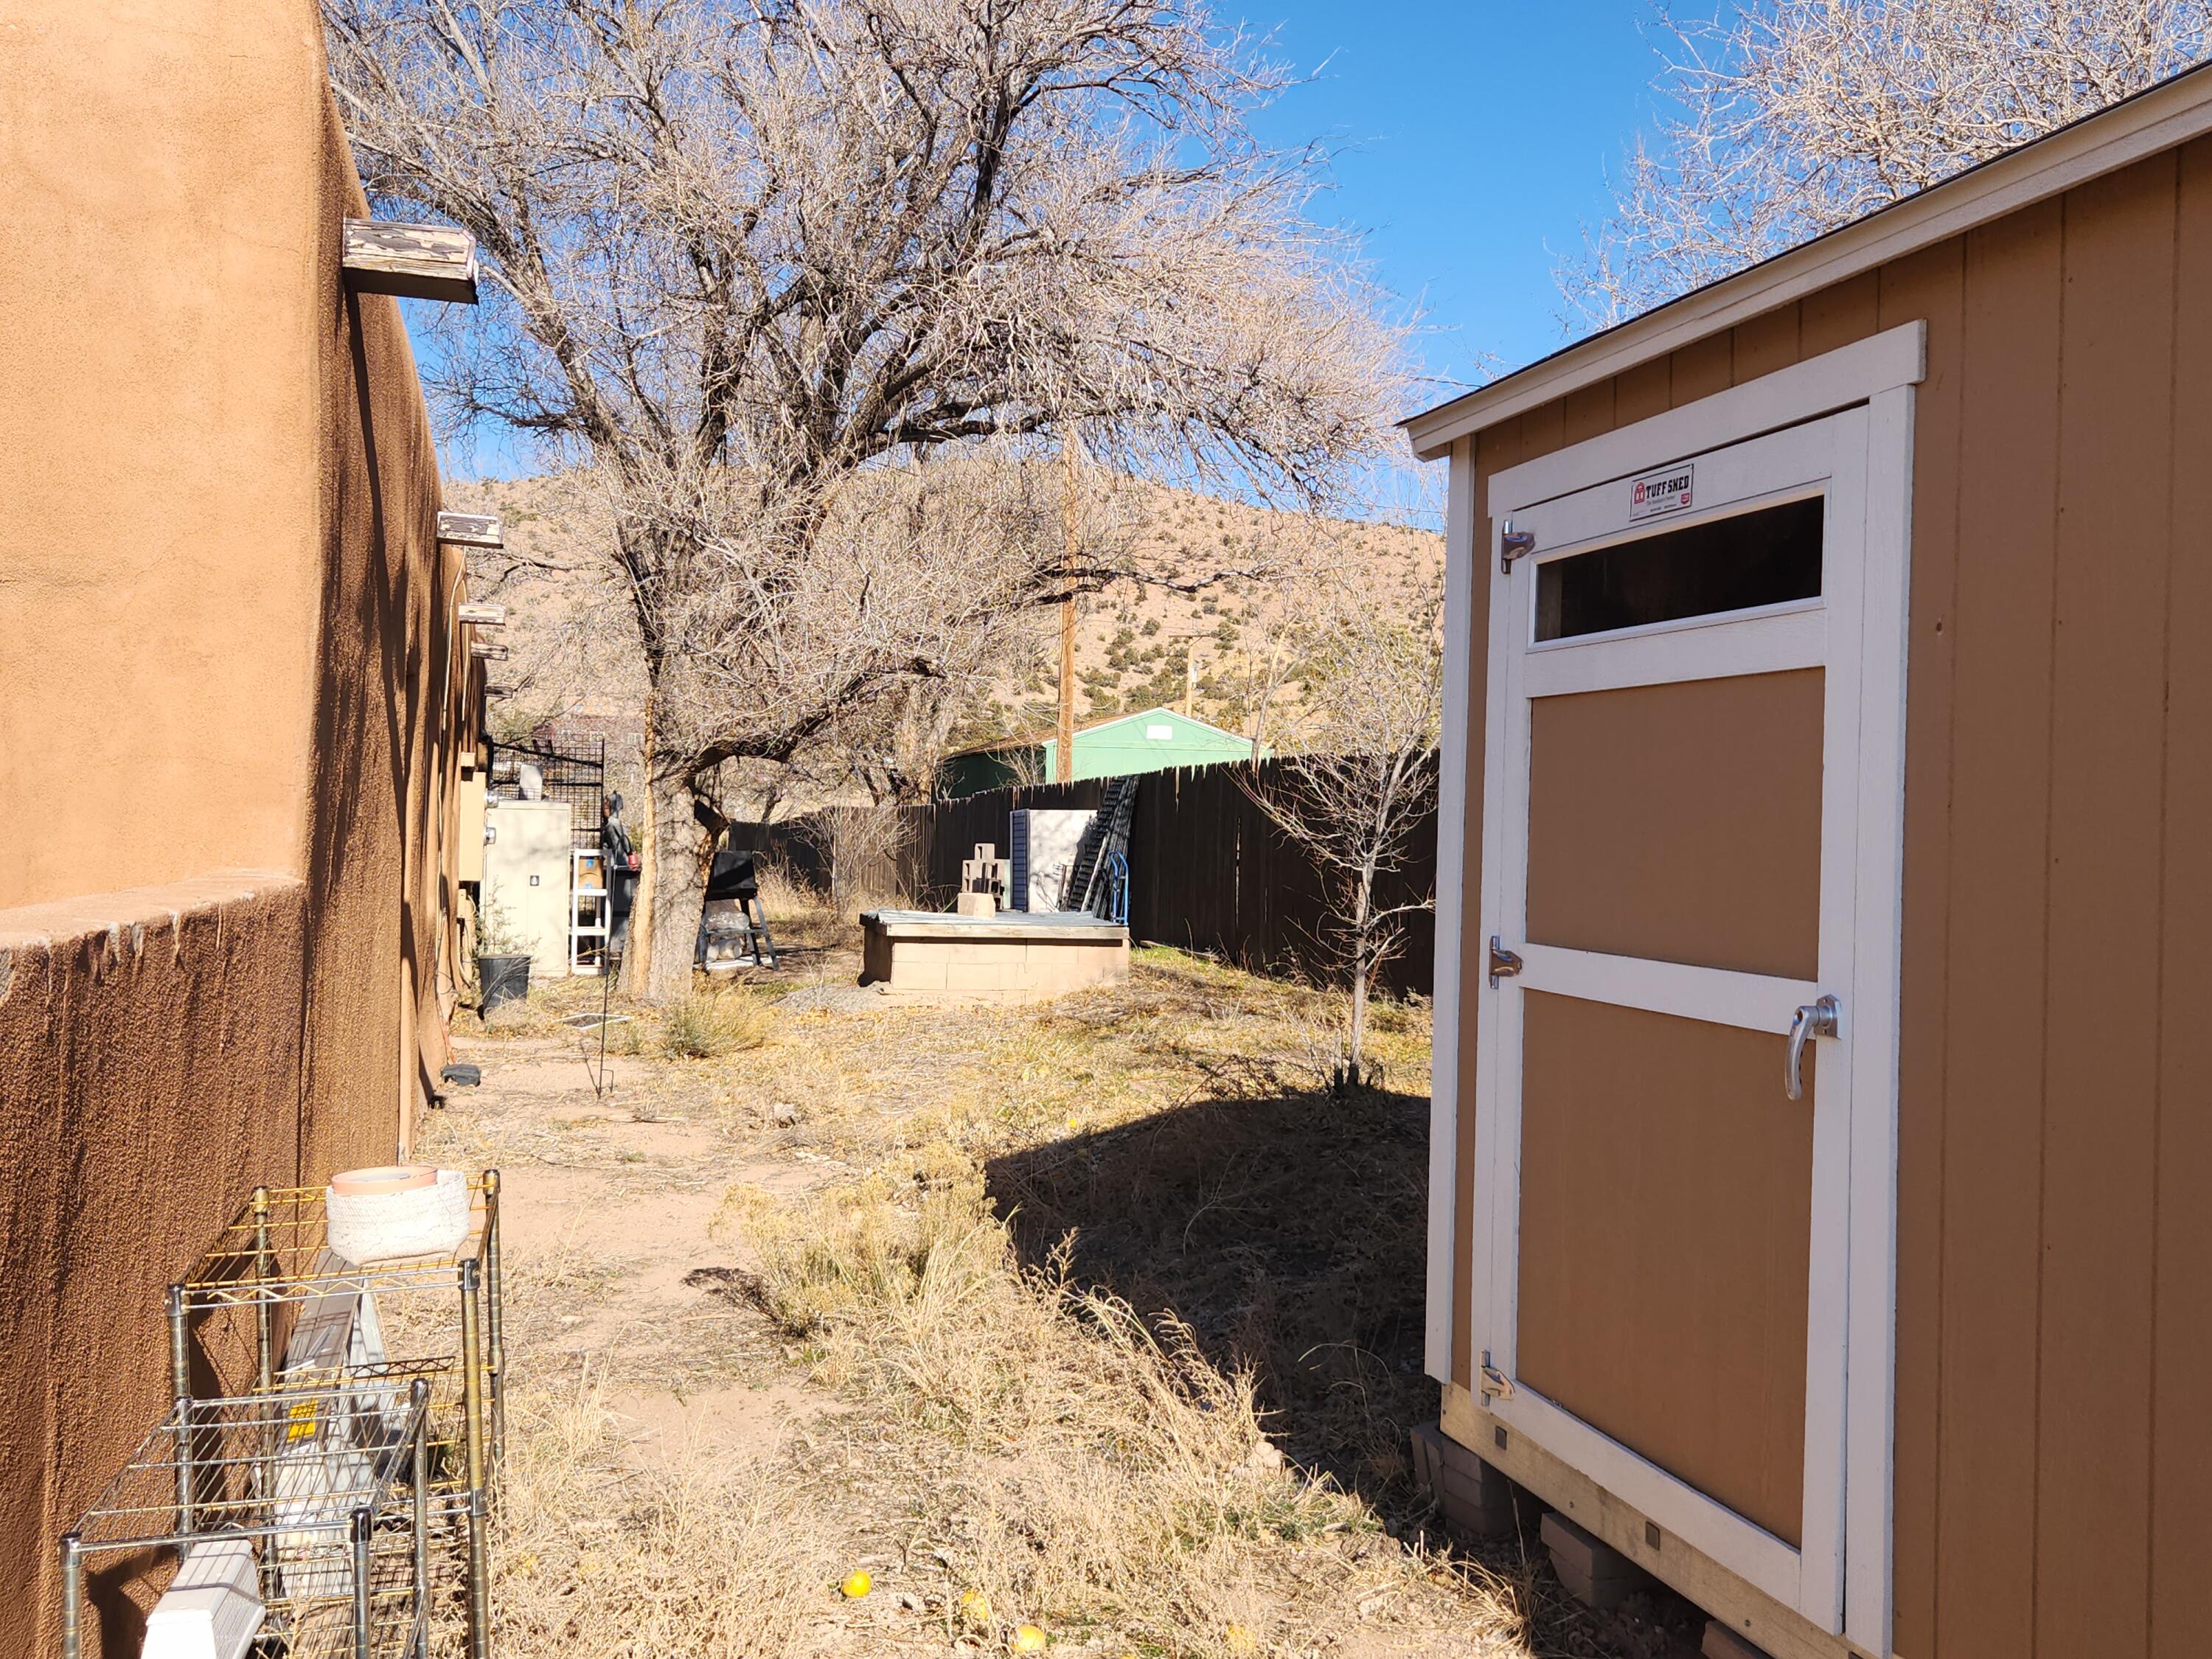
[273, 1261]
[330, 1488]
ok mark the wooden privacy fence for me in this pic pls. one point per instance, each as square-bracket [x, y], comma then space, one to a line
[1208, 870]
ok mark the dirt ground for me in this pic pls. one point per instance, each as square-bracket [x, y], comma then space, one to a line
[1100, 1319]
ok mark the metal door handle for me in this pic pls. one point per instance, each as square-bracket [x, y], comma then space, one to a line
[1821, 1019]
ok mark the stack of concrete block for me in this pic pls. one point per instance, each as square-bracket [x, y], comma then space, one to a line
[1721, 1642]
[1593, 1573]
[1474, 1497]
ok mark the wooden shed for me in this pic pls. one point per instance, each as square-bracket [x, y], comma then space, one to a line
[1829, 668]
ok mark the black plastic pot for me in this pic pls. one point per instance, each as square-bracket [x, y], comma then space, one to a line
[503, 979]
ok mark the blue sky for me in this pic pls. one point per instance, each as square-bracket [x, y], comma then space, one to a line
[1472, 142]
[1475, 141]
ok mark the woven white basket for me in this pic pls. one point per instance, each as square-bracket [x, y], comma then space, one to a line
[372, 1227]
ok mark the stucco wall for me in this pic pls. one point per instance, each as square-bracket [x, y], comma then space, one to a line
[227, 646]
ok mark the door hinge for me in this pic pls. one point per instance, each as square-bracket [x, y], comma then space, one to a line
[1513, 545]
[1504, 964]
[1494, 1382]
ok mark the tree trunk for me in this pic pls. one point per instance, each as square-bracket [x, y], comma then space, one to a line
[671, 892]
[1362, 970]
[682, 852]
[1356, 1038]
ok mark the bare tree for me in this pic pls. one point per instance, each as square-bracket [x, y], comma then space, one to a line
[1794, 117]
[745, 253]
[1354, 799]
[861, 846]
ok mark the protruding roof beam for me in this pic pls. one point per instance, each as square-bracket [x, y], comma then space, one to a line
[416, 262]
[470, 529]
[483, 615]
[488, 652]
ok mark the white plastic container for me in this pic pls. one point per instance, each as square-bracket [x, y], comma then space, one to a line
[213, 1609]
[366, 1228]
[318, 1487]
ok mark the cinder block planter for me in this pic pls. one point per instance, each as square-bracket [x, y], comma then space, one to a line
[1016, 956]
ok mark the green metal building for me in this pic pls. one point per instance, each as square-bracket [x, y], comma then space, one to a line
[1153, 740]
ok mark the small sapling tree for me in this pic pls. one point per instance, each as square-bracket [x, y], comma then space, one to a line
[1361, 792]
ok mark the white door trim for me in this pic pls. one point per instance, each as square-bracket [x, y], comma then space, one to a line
[1841, 1576]
[1876, 992]
[1835, 379]
[1462, 571]
[1756, 1002]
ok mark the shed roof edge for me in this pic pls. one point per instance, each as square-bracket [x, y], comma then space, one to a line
[2156, 119]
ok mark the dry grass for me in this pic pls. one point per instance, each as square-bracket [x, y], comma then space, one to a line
[603, 1560]
[1086, 1468]
[599, 1556]
[1119, 1312]
[707, 1024]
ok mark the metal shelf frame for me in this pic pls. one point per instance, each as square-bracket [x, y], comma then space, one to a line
[275, 1254]
[331, 1488]
[589, 891]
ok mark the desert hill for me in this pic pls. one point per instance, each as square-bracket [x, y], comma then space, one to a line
[574, 648]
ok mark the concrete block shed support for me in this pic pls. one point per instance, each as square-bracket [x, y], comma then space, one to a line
[1721, 1642]
[1595, 1574]
[1472, 1496]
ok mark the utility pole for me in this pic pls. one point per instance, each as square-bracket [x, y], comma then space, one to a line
[1064, 749]
[1189, 680]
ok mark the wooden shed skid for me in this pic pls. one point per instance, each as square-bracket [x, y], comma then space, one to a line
[2053, 1249]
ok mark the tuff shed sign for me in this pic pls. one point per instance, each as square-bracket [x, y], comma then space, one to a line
[1655, 493]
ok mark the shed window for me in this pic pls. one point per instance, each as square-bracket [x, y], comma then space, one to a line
[1766, 558]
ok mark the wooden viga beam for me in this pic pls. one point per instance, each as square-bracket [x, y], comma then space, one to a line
[482, 616]
[470, 529]
[416, 262]
[488, 652]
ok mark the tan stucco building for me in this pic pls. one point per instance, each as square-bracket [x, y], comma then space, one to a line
[235, 704]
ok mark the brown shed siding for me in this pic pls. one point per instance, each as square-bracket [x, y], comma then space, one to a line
[2055, 1246]
[2181, 1353]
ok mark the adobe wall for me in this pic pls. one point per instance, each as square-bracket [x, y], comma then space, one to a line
[227, 646]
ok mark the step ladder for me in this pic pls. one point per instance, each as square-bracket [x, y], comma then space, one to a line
[591, 911]
[763, 947]
[1089, 887]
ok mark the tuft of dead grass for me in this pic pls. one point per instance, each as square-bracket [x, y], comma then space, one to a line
[708, 1024]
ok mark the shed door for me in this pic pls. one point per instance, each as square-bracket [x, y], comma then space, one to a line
[1676, 681]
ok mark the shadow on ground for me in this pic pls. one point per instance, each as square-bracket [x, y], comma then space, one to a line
[1288, 1232]
[1285, 1230]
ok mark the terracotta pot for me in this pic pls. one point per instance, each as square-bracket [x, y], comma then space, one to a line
[383, 1178]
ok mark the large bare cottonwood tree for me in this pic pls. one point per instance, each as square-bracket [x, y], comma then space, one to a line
[754, 259]
[1789, 118]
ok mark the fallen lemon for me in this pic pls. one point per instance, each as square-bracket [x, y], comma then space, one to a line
[856, 1584]
[975, 1607]
[1026, 1638]
[1240, 1640]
